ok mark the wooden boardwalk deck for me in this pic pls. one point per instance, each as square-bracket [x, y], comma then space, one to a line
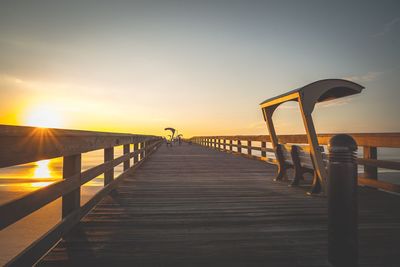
[193, 206]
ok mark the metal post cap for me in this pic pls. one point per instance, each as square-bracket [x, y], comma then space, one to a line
[342, 143]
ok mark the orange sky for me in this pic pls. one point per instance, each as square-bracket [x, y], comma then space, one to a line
[200, 68]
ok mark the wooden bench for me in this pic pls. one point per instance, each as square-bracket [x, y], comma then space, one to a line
[298, 158]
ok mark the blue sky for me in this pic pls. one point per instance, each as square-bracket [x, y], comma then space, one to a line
[200, 66]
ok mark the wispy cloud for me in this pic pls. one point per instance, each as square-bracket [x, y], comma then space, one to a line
[336, 102]
[388, 27]
[258, 125]
[367, 77]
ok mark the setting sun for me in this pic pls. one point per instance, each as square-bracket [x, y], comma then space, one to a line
[44, 118]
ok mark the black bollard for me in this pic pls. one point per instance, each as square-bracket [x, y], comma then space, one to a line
[342, 201]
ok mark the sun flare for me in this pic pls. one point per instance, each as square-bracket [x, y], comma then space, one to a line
[44, 118]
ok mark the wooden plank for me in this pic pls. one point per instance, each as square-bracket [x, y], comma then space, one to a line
[393, 165]
[17, 209]
[91, 173]
[379, 184]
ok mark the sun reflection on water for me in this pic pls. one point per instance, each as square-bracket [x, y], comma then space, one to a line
[42, 169]
[41, 184]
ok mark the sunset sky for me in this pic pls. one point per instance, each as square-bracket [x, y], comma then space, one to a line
[201, 67]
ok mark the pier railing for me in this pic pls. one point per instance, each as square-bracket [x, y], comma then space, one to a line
[370, 142]
[27, 144]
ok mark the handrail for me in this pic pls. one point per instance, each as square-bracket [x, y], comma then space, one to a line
[368, 141]
[21, 144]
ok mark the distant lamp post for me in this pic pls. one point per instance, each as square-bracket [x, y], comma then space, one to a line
[171, 135]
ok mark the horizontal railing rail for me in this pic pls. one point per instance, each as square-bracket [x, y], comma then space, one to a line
[28, 144]
[370, 142]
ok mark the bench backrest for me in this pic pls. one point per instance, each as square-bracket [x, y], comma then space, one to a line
[297, 153]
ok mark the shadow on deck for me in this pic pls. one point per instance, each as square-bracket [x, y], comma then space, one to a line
[193, 206]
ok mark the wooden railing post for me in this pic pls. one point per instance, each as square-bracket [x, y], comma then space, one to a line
[239, 146]
[126, 151]
[142, 155]
[219, 144]
[108, 156]
[370, 172]
[248, 147]
[263, 146]
[230, 145]
[224, 144]
[71, 201]
[136, 156]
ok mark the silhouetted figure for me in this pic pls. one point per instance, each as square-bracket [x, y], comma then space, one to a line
[179, 137]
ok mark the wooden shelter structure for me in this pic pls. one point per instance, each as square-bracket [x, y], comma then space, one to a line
[307, 97]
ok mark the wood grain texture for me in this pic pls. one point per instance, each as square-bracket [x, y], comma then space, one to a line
[193, 206]
[22, 144]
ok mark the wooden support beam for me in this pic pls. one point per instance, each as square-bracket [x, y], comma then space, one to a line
[263, 145]
[108, 156]
[248, 147]
[142, 152]
[126, 151]
[136, 157]
[370, 172]
[71, 167]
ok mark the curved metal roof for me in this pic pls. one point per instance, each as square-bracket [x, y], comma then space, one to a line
[319, 91]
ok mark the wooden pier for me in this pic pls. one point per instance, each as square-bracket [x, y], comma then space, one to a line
[193, 206]
[213, 202]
